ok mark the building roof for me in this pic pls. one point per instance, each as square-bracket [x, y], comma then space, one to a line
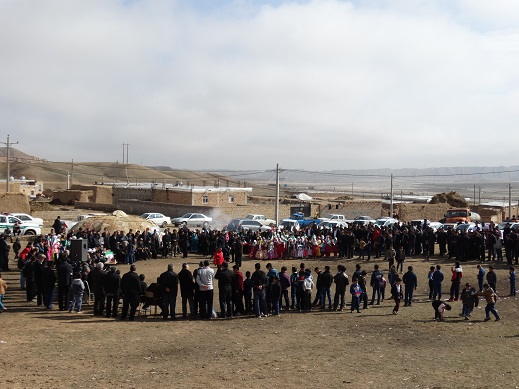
[181, 188]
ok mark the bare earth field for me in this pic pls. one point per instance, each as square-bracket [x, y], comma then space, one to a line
[373, 349]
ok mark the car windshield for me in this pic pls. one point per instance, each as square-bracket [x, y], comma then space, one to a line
[187, 215]
[145, 215]
[456, 213]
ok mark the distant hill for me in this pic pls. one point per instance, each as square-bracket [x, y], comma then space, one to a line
[492, 180]
[15, 153]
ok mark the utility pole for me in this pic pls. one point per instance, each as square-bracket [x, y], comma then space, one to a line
[124, 144]
[474, 200]
[276, 208]
[72, 174]
[391, 198]
[8, 145]
[127, 144]
[509, 201]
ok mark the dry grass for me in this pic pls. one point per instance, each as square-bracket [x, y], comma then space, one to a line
[373, 349]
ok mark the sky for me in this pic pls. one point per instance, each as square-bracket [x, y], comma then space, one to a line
[244, 84]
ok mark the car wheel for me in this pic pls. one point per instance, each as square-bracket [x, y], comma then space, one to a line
[184, 224]
[164, 224]
[30, 232]
[205, 224]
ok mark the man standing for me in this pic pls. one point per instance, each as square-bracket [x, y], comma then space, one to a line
[481, 277]
[49, 285]
[437, 279]
[169, 284]
[376, 283]
[204, 279]
[57, 226]
[111, 285]
[185, 279]
[4, 252]
[237, 290]
[411, 283]
[492, 278]
[457, 274]
[97, 277]
[64, 269]
[38, 277]
[131, 288]
[326, 285]
[259, 285]
[224, 275]
[491, 298]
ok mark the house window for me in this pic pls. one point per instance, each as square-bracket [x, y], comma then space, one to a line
[231, 199]
[205, 199]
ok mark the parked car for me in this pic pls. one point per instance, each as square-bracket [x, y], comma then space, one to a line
[26, 218]
[290, 225]
[262, 219]
[388, 222]
[513, 225]
[364, 220]
[332, 224]
[8, 221]
[466, 227]
[192, 220]
[303, 220]
[334, 217]
[157, 218]
[246, 224]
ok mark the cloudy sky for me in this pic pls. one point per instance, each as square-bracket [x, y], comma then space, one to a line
[207, 84]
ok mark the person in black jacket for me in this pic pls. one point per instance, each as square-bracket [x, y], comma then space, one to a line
[49, 285]
[341, 281]
[38, 277]
[111, 285]
[28, 274]
[131, 288]
[169, 284]
[187, 287]
[64, 269]
[396, 293]
[224, 275]
[259, 285]
[376, 284]
[411, 283]
[326, 279]
[97, 278]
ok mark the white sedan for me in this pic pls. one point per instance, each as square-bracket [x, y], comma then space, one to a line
[192, 220]
[157, 218]
[28, 218]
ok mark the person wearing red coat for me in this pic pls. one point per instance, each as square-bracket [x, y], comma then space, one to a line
[218, 257]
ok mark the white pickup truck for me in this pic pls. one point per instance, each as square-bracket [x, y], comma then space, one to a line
[262, 219]
[334, 217]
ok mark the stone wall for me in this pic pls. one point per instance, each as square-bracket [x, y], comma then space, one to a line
[69, 197]
[171, 196]
[408, 212]
[101, 194]
[14, 202]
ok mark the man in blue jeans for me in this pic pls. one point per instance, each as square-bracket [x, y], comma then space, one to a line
[411, 283]
[325, 291]
[491, 298]
[437, 279]
[376, 283]
[259, 285]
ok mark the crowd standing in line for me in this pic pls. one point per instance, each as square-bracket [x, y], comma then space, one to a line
[261, 293]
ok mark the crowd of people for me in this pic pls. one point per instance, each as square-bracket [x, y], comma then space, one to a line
[45, 262]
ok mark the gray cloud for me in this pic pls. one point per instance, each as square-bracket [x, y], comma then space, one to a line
[315, 85]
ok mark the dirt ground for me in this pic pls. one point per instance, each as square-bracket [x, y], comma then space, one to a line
[373, 349]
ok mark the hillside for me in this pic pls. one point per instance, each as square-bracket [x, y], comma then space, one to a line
[54, 174]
